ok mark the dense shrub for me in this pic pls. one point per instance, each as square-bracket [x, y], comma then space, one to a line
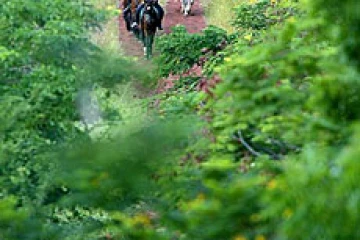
[261, 14]
[176, 55]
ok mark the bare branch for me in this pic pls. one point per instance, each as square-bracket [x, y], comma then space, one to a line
[270, 153]
[246, 145]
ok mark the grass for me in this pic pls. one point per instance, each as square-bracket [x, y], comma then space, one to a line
[108, 37]
[220, 12]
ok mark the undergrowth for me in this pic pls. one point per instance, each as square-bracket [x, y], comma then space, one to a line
[220, 13]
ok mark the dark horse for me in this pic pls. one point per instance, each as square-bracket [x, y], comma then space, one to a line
[148, 24]
[129, 13]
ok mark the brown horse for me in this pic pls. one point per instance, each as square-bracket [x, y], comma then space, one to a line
[148, 26]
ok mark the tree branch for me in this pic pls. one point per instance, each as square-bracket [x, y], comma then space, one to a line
[246, 145]
[270, 153]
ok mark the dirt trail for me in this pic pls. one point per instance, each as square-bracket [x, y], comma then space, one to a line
[130, 45]
[194, 23]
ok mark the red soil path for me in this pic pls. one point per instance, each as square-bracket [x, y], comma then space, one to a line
[195, 22]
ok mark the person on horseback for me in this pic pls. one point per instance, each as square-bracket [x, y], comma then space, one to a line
[126, 7]
[159, 10]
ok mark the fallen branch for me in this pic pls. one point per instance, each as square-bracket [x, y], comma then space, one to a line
[246, 145]
[270, 153]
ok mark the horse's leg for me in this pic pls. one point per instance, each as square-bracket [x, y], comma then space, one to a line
[143, 38]
[127, 21]
[128, 27]
[148, 46]
[139, 34]
[146, 52]
[151, 41]
[182, 6]
[188, 8]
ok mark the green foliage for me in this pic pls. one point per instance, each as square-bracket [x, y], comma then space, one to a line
[220, 12]
[181, 103]
[176, 56]
[128, 161]
[252, 15]
[260, 15]
[108, 70]
[225, 209]
[343, 28]
[319, 192]
[15, 222]
[116, 174]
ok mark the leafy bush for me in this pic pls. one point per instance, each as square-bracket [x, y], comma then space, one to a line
[176, 56]
[321, 190]
[261, 14]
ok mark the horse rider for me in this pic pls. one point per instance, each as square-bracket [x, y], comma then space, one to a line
[126, 8]
[159, 10]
